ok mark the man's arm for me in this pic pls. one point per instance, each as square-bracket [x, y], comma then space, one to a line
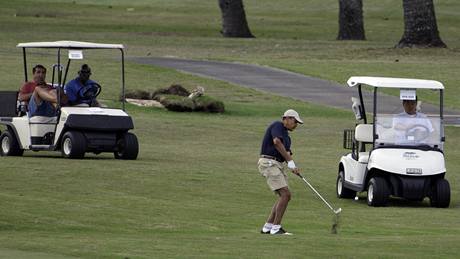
[401, 123]
[25, 92]
[424, 120]
[70, 92]
[46, 94]
[287, 156]
[24, 97]
[280, 147]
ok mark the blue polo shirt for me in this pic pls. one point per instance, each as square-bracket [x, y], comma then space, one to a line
[71, 90]
[275, 130]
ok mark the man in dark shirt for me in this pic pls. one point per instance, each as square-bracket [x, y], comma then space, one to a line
[74, 88]
[276, 149]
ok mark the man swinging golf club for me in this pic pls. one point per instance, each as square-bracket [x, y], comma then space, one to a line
[276, 149]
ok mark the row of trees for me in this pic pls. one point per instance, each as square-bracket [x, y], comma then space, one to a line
[420, 27]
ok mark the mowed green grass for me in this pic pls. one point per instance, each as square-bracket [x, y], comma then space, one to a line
[194, 190]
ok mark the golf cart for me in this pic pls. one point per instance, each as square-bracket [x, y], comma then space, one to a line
[386, 159]
[75, 130]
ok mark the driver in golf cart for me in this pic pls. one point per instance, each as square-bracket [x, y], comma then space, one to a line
[411, 127]
[82, 91]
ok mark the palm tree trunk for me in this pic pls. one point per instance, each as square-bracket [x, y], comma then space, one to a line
[234, 22]
[351, 26]
[420, 28]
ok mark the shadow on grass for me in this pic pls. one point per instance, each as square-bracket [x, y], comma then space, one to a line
[404, 203]
[58, 156]
[400, 202]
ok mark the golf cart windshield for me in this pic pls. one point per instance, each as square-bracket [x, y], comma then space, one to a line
[405, 130]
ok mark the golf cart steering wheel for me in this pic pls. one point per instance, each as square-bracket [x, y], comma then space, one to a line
[90, 91]
[419, 131]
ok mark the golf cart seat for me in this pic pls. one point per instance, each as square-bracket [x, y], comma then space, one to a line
[363, 157]
[8, 103]
[363, 133]
[81, 105]
[42, 120]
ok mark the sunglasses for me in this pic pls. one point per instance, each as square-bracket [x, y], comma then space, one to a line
[296, 122]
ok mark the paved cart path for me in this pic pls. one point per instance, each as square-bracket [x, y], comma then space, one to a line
[288, 84]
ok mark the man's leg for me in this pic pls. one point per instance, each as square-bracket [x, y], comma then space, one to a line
[279, 209]
[271, 217]
[42, 103]
[281, 204]
[269, 223]
[41, 94]
[277, 181]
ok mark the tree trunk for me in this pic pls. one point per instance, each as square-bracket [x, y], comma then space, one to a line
[351, 26]
[234, 22]
[420, 28]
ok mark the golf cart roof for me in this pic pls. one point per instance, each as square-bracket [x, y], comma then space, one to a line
[69, 45]
[390, 82]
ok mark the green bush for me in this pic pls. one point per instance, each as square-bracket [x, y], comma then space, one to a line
[176, 103]
[185, 104]
[208, 104]
[175, 98]
[137, 94]
[174, 89]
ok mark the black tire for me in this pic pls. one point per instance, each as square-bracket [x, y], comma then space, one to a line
[127, 147]
[73, 145]
[9, 145]
[440, 196]
[342, 191]
[377, 192]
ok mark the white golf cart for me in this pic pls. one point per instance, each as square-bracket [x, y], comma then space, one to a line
[75, 130]
[386, 159]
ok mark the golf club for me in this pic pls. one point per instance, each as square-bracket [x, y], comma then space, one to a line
[336, 212]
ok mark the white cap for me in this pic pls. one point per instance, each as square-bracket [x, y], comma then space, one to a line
[294, 114]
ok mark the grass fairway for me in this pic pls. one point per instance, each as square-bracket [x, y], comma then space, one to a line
[195, 191]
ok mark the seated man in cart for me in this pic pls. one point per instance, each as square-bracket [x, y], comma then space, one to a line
[37, 96]
[411, 127]
[27, 89]
[82, 91]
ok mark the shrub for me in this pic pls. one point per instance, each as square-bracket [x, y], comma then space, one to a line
[176, 103]
[172, 90]
[208, 104]
[137, 94]
[175, 98]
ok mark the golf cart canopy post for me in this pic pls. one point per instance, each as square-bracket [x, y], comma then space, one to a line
[75, 45]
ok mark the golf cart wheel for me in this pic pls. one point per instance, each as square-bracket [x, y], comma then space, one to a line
[440, 196]
[377, 192]
[342, 191]
[73, 145]
[10, 145]
[127, 147]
